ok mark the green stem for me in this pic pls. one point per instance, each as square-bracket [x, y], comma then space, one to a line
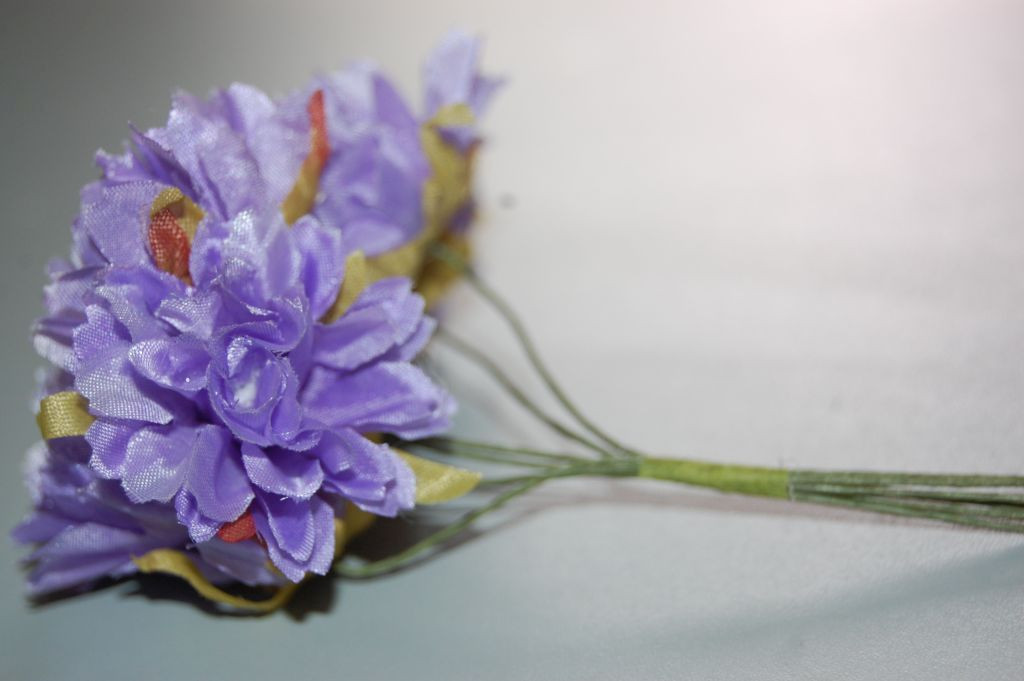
[616, 468]
[972, 500]
[907, 492]
[523, 484]
[900, 494]
[955, 517]
[456, 261]
[749, 480]
[487, 458]
[518, 395]
[458, 446]
[392, 563]
[857, 478]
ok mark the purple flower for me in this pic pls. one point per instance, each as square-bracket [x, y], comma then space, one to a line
[227, 399]
[372, 182]
[86, 528]
[451, 77]
[231, 410]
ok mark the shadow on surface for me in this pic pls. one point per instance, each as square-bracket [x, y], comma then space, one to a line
[855, 611]
[390, 536]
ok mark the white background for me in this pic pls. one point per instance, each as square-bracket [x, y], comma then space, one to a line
[775, 233]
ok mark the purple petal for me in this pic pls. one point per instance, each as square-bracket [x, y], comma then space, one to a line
[451, 77]
[39, 527]
[109, 439]
[321, 553]
[375, 199]
[245, 561]
[216, 478]
[245, 108]
[104, 375]
[259, 262]
[100, 539]
[283, 472]
[369, 474]
[280, 143]
[323, 263]
[156, 462]
[214, 155]
[133, 295]
[385, 315]
[200, 528]
[258, 399]
[389, 397]
[194, 313]
[72, 290]
[291, 525]
[53, 338]
[117, 222]
[160, 164]
[246, 390]
[67, 297]
[176, 363]
[279, 324]
[411, 348]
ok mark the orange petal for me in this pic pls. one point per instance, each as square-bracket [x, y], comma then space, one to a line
[303, 194]
[238, 530]
[169, 244]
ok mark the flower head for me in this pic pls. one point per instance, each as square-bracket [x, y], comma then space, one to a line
[234, 391]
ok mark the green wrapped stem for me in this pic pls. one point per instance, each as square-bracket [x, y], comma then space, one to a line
[749, 480]
[993, 502]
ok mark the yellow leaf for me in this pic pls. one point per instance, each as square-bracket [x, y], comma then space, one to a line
[63, 414]
[355, 282]
[177, 563]
[437, 482]
[173, 562]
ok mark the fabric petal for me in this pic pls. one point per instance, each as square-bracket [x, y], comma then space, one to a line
[104, 375]
[176, 363]
[109, 439]
[245, 561]
[368, 474]
[389, 397]
[194, 313]
[283, 472]
[385, 315]
[411, 348]
[451, 77]
[156, 462]
[116, 220]
[133, 295]
[200, 528]
[216, 478]
[291, 524]
[317, 535]
[323, 263]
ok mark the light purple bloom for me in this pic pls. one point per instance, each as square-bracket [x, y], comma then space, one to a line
[86, 528]
[218, 393]
[372, 184]
[451, 77]
[228, 396]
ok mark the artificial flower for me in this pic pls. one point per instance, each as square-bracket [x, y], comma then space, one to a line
[233, 388]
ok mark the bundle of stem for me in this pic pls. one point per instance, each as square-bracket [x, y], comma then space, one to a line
[994, 502]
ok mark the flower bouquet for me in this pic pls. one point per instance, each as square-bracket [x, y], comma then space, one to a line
[234, 390]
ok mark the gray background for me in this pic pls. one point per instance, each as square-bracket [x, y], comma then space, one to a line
[783, 232]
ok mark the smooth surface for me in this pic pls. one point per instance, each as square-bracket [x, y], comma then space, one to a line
[783, 232]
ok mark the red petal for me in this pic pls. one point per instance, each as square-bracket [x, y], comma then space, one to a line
[318, 128]
[169, 244]
[238, 530]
